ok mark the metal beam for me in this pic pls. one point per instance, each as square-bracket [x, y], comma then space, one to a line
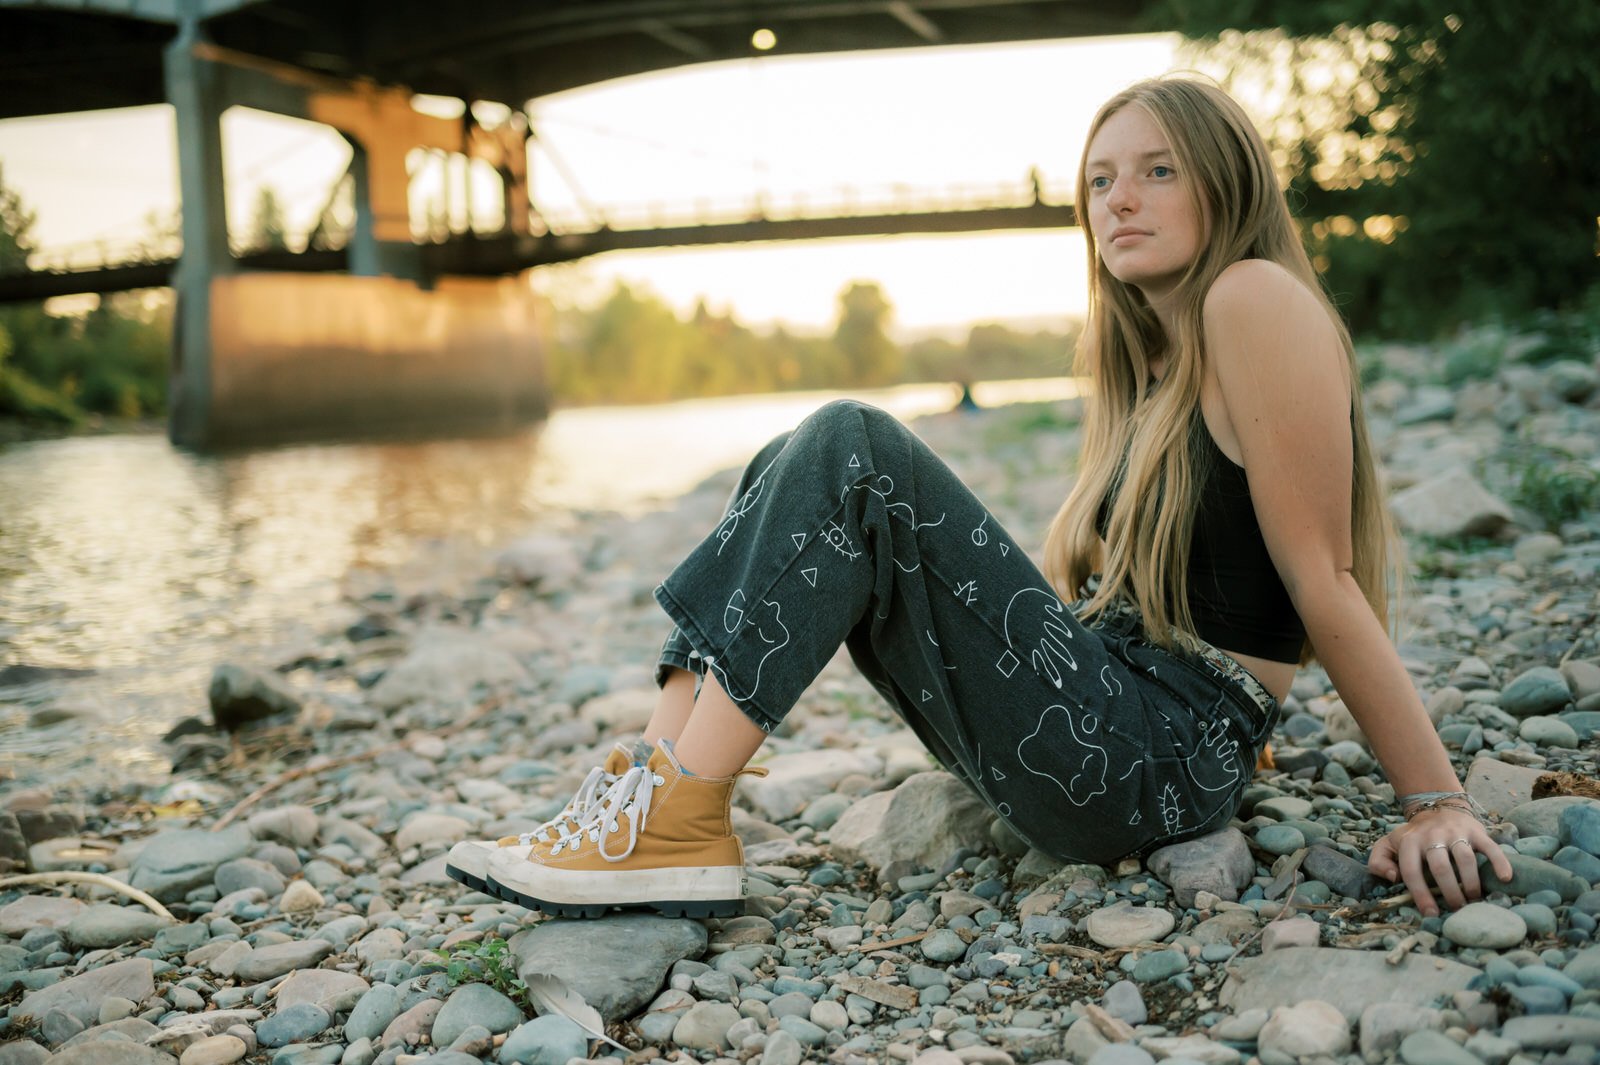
[916, 22]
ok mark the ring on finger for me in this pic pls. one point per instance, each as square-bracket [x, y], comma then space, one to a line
[1461, 839]
[1436, 846]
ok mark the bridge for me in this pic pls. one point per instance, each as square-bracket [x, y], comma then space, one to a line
[443, 336]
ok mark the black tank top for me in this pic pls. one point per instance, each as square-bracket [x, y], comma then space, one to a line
[1236, 597]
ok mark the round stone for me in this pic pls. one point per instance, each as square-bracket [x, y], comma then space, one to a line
[215, 1050]
[705, 1026]
[1280, 839]
[474, 1004]
[1434, 1048]
[1483, 924]
[548, 1040]
[943, 945]
[293, 1025]
[1548, 732]
[1123, 926]
[1540, 690]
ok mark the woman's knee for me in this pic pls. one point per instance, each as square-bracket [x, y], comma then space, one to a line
[849, 416]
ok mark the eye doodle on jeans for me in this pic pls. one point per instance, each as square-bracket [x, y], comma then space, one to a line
[1034, 625]
[1067, 745]
[1171, 811]
[733, 613]
[834, 536]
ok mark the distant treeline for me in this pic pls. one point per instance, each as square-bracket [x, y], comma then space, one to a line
[633, 348]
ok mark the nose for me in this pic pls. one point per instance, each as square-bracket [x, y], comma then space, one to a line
[1121, 197]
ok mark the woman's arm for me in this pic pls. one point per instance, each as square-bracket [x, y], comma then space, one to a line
[1283, 380]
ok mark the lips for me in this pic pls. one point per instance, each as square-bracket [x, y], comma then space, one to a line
[1122, 232]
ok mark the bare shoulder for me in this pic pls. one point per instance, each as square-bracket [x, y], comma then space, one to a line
[1257, 310]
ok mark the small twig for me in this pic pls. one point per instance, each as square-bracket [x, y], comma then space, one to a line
[1072, 950]
[1117, 1031]
[902, 941]
[1395, 956]
[483, 709]
[98, 880]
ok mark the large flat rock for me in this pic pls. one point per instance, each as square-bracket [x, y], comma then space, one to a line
[81, 995]
[1350, 980]
[617, 963]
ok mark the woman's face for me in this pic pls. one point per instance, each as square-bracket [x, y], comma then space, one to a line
[1140, 211]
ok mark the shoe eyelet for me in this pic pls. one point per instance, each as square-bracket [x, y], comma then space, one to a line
[613, 826]
[658, 779]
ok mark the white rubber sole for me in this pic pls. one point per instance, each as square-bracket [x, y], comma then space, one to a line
[701, 891]
[468, 862]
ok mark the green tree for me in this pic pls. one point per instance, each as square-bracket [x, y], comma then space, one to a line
[862, 335]
[16, 223]
[1443, 152]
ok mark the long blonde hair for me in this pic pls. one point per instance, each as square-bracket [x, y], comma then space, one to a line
[1151, 523]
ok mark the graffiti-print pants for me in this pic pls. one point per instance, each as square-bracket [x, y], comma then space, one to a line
[1091, 742]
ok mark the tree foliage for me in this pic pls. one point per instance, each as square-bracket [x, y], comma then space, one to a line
[1445, 156]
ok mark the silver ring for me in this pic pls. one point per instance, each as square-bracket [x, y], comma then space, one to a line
[1436, 846]
[1461, 839]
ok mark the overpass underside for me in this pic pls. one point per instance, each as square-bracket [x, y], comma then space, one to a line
[422, 336]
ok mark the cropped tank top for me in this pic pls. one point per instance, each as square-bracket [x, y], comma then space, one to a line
[1236, 598]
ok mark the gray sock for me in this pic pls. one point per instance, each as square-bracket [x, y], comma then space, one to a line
[642, 750]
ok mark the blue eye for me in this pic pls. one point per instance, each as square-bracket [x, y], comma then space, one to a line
[1099, 182]
[1161, 171]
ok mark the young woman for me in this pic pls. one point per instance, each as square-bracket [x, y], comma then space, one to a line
[1228, 501]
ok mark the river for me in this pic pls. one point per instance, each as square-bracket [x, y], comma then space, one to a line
[144, 566]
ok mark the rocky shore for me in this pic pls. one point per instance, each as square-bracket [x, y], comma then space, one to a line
[292, 906]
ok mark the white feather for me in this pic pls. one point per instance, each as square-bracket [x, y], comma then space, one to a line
[550, 995]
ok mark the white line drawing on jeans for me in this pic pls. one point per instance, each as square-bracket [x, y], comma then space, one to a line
[799, 541]
[741, 507]
[1171, 812]
[904, 568]
[884, 489]
[733, 613]
[1048, 645]
[1069, 742]
[854, 463]
[997, 774]
[1106, 676]
[1138, 815]
[771, 631]
[1008, 664]
[810, 575]
[1214, 759]
[980, 535]
[1003, 809]
[1135, 764]
[835, 536]
[968, 592]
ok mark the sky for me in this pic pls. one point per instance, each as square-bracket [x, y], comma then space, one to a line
[917, 122]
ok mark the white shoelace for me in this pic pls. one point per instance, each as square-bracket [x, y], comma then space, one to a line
[629, 795]
[577, 811]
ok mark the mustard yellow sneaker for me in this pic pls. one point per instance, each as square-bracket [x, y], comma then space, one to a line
[467, 863]
[660, 839]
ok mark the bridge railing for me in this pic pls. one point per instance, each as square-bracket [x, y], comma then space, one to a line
[842, 201]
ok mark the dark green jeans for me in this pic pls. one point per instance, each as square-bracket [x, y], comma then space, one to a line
[1091, 742]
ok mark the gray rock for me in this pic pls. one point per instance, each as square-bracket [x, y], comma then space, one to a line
[445, 668]
[928, 817]
[264, 963]
[782, 1049]
[1350, 980]
[1551, 1031]
[1540, 690]
[1435, 1048]
[1450, 505]
[409, 1028]
[1483, 924]
[173, 863]
[241, 874]
[1548, 732]
[943, 945]
[1306, 1029]
[1531, 874]
[22, 1052]
[23, 915]
[615, 963]
[1499, 786]
[296, 1024]
[373, 1013]
[705, 1026]
[81, 995]
[333, 990]
[241, 695]
[181, 938]
[111, 926]
[548, 1040]
[796, 778]
[293, 825]
[1219, 863]
[1579, 826]
[1342, 873]
[474, 1004]
[116, 1052]
[1123, 926]
[1385, 1024]
[1119, 1054]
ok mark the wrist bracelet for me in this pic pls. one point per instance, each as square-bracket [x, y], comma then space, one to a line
[1422, 801]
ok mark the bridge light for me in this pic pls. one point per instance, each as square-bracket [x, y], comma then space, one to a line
[764, 40]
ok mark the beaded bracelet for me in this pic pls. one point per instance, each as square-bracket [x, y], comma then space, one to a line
[1422, 801]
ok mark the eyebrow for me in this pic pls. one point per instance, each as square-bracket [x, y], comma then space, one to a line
[1142, 157]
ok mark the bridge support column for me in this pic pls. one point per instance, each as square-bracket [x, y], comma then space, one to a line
[198, 99]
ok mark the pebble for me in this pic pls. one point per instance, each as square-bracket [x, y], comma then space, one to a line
[548, 1040]
[215, 1050]
[294, 1024]
[1483, 924]
[1124, 926]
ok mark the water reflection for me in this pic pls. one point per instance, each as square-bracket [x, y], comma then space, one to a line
[148, 565]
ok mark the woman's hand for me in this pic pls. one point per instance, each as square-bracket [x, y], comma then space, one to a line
[1443, 842]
